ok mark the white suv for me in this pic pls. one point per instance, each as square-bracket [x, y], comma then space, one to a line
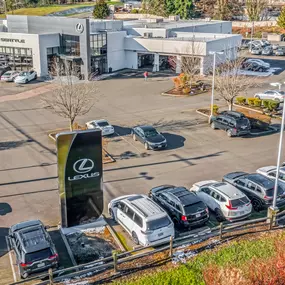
[143, 219]
[224, 199]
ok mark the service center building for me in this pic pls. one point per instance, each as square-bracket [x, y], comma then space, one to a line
[101, 46]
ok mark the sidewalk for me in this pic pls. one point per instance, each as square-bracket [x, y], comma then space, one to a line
[29, 93]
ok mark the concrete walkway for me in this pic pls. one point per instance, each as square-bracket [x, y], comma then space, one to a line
[29, 93]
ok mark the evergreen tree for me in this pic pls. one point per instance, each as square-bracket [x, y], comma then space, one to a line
[101, 10]
[183, 8]
[281, 19]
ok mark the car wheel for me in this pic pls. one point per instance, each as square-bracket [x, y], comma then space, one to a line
[277, 100]
[229, 133]
[257, 97]
[213, 126]
[146, 146]
[134, 137]
[256, 204]
[111, 213]
[36, 76]
[260, 69]
[135, 238]
[26, 81]
[219, 215]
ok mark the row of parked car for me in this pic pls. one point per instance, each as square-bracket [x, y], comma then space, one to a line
[20, 77]
[152, 219]
[263, 47]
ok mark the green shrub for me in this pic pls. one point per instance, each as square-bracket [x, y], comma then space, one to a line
[250, 101]
[265, 103]
[257, 102]
[134, 11]
[273, 105]
[241, 100]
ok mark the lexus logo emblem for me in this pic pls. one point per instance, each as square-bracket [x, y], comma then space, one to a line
[83, 165]
[79, 28]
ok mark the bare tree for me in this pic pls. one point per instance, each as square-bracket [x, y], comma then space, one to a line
[72, 98]
[191, 63]
[255, 9]
[230, 82]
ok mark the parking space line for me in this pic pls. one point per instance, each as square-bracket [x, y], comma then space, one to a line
[128, 142]
[11, 260]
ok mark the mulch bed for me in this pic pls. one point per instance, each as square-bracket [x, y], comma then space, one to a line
[174, 92]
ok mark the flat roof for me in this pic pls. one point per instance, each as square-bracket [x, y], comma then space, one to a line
[168, 24]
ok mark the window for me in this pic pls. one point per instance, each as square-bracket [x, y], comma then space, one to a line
[222, 199]
[251, 186]
[215, 195]
[38, 255]
[177, 207]
[158, 223]
[129, 212]
[98, 44]
[258, 189]
[273, 174]
[70, 45]
[206, 190]
[231, 124]
[240, 182]
[138, 220]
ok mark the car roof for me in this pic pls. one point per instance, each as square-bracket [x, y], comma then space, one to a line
[146, 128]
[261, 180]
[100, 121]
[233, 114]
[183, 195]
[145, 206]
[267, 168]
[228, 190]
[204, 183]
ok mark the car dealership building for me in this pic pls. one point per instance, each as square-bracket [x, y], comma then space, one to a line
[101, 46]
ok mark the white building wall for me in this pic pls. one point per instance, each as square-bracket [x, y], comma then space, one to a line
[131, 59]
[115, 50]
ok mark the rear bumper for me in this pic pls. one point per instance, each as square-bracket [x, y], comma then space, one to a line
[239, 218]
[33, 270]
[158, 241]
[197, 222]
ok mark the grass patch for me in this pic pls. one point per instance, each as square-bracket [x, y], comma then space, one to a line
[123, 241]
[45, 10]
[191, 273]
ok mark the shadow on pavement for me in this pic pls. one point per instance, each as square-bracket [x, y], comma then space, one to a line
[121, 131]
[5, 208]
[12, 144]
[174, 141]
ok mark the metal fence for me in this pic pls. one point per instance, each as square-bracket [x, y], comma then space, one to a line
[223, 231]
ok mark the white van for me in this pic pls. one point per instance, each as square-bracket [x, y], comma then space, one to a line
[143, 219]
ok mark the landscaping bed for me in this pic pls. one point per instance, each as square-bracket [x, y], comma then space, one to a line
[91, 244]
[180, 93]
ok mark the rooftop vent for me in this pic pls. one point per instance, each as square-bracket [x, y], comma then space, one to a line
[147, 35]
[174, 18]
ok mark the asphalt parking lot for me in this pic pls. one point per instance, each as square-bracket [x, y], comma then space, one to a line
[28, 172]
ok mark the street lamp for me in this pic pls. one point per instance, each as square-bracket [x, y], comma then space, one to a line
[213, 80]
[273, 207]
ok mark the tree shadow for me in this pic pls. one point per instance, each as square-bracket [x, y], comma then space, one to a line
[12, 144]
[174, 141]
[5, 209]
[3, 244]
[129, 154]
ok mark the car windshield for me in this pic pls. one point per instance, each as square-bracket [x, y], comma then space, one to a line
[102, 124]
[240, 202]
[281, 92]
[7, 73]
[270, 192]
[38, 255]
[158, 223]
[151, 133]
[242, 122]
[23, 73]
[194, 208]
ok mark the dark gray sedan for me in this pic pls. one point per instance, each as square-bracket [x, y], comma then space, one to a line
[149, 136]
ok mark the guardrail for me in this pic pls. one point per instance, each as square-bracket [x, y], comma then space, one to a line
[223, 231]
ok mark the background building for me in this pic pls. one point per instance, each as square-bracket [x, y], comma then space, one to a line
[100, 46]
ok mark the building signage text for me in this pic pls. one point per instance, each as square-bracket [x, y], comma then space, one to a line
[12, 40]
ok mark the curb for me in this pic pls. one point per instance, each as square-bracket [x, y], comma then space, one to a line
[114, 235]
[109, 156]
[249, 109]
[197, 111]
[68, 248]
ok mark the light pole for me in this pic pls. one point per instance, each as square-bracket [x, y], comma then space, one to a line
[273, 207]
[276, 84]
[214, 53]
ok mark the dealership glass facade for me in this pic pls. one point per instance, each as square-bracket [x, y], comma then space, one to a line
[98, 51]
[17, 58]
[70, 45]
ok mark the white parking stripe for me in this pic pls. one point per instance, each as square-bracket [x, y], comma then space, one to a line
[11, 261]
[128, 142]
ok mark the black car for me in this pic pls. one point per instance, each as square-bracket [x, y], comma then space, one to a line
[184, 207]
[4, 69]
[33, 247]
[257, 187]
[254, 66]
[149, 136]
[234, 123]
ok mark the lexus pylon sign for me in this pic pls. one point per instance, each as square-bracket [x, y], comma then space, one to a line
[80, 176]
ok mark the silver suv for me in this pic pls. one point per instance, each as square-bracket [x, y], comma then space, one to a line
[224, 199]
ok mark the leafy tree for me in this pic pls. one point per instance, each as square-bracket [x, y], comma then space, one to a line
[183, 8]
[255, 8]
[225, 9]
[281, 19]
[101, 10]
